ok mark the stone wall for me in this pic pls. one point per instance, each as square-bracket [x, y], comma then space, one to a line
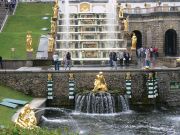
[34, 83]
[156, 25]
[15, 64]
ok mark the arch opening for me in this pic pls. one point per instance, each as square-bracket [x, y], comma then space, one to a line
[170, 43]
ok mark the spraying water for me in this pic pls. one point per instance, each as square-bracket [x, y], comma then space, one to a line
[111, 23]
[66, 23]
[101, 103]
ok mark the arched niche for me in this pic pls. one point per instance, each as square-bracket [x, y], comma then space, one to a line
[170, 43]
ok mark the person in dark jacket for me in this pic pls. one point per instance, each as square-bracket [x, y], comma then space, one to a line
[1, 62]
[68, 61]
[126, 57]
[111, 59]
[115, 60]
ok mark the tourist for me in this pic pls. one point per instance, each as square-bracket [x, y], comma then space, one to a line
[121, 58]
[111, 59]
[126, 58]
[147, 58]
[114, 58]
[68, 61]
[1, 62]
[155, 54]
[138, 54]
[56, 61]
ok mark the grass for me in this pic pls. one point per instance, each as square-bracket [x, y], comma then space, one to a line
[5, 112]
[28, 17]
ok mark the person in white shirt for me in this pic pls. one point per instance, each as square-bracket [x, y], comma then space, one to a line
[56, 61]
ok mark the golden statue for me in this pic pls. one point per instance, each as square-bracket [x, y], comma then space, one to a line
[53, 26]
[55, 11]
[49, 77]
[84, 7]
[56, 2]
[128, 76]
[150, 76]
[134, 41]
[71, 76]
[121, 12]
[100, 83]
[126, 24]
[26, 118]
[51, 43]
[29, 42]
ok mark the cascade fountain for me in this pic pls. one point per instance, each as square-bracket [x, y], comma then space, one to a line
[99, 100]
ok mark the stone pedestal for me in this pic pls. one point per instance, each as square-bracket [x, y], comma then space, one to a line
[29, 55]
[50, 55]
[133, 56]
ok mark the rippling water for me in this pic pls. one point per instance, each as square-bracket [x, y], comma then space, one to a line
[125, 123]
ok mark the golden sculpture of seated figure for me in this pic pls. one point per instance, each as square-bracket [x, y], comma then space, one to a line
[26, 118]
[100, 83]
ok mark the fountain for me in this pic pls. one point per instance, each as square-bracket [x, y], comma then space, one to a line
[111, 23]
[99, 100]
[89, 31]
[66, 23]
[96, 113]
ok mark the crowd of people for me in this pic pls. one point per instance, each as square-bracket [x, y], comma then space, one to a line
[147, 56]
[66, 61]
[122, 56]
[9, 4]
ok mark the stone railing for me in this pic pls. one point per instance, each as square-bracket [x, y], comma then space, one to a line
[152, 10]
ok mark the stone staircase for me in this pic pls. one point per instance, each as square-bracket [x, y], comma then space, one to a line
[3, 13]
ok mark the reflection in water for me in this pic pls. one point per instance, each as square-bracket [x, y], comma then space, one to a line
[124, 123]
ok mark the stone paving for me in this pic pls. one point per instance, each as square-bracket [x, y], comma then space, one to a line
[42, 48]
[84, 68]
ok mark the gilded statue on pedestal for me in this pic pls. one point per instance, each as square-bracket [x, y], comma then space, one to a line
[56, 2]
[53, 26]
[26, 118]
[150, 76]
[49, 77]
[134, 41]
[128, 76]
[100, 83]
[51, 43]
[126, 24]
[55, 11]
[121, 12]
[29, 42]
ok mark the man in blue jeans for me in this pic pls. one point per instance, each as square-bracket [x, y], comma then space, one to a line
[56, 61]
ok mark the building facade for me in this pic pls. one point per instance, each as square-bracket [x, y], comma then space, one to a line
[91, 30]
